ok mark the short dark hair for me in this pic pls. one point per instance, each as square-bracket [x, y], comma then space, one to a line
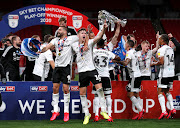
[14, 38]
[50, 38]
[129, 36]
[131, 43]
[100, 42]
[165, 38]
[138, 48]
[8, 35]
[46, 37]
[4, 40]
[82, 29]
[62, 19]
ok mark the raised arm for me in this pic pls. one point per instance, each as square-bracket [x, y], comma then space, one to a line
[157, 44]
[176, 43]
[115, 37]
[100, 35]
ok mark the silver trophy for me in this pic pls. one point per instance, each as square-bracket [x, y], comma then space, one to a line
[110, 19]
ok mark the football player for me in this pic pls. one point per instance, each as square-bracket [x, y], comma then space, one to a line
[165, 55]
[133, 88]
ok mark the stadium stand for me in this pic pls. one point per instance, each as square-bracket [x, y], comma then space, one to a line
[90, 6]
[175, 4]
[171, 26]
[141, 28]
[30, 31]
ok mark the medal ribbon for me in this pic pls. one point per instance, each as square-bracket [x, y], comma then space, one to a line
[81, 49]
[144, 58]
[107, 47]
[61, 44]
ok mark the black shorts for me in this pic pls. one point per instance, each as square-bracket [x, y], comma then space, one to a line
[165, 82]
[62, 74]
[36, 78]
[145, 78]
[111, 72]
[12, 75]
[134, 85]
[86, 77]
[106, 84]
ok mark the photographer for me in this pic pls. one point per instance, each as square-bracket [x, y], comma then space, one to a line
[5, 43]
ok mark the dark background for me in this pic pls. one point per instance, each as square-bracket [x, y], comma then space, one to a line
[145, 17]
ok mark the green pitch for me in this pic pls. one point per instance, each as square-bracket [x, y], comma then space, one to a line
[153, 123]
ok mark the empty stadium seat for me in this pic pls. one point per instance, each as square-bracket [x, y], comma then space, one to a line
[141, 28]
[172, 26]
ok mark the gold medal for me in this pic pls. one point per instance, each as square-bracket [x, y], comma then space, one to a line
[82, 58]
[59, 53]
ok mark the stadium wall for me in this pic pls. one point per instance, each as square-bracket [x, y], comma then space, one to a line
[32, 100]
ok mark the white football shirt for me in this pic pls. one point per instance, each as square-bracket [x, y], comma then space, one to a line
[42, 66]
[133, 66]
[167, 69]
[109, 47]
[64, 56]
[144, 63]
[84, 59]
[101, 60]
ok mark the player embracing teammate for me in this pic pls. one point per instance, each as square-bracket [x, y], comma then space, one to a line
[165, 55]
[87, 71]
[133, 88]
[93, 66]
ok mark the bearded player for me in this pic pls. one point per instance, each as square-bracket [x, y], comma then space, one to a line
[62, 71]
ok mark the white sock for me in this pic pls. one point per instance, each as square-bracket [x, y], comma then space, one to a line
[109, 104]
[170, 99]
[139, 100]
[136, 103]
[96, 104]
[162, 102]
[84, 104]
[66, 102]
[101, 99]
[55, 101]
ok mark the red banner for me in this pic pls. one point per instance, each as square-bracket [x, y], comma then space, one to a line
[74, 18]
[122, 106]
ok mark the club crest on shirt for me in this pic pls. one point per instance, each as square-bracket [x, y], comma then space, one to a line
[13, 21]
[77, 21]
